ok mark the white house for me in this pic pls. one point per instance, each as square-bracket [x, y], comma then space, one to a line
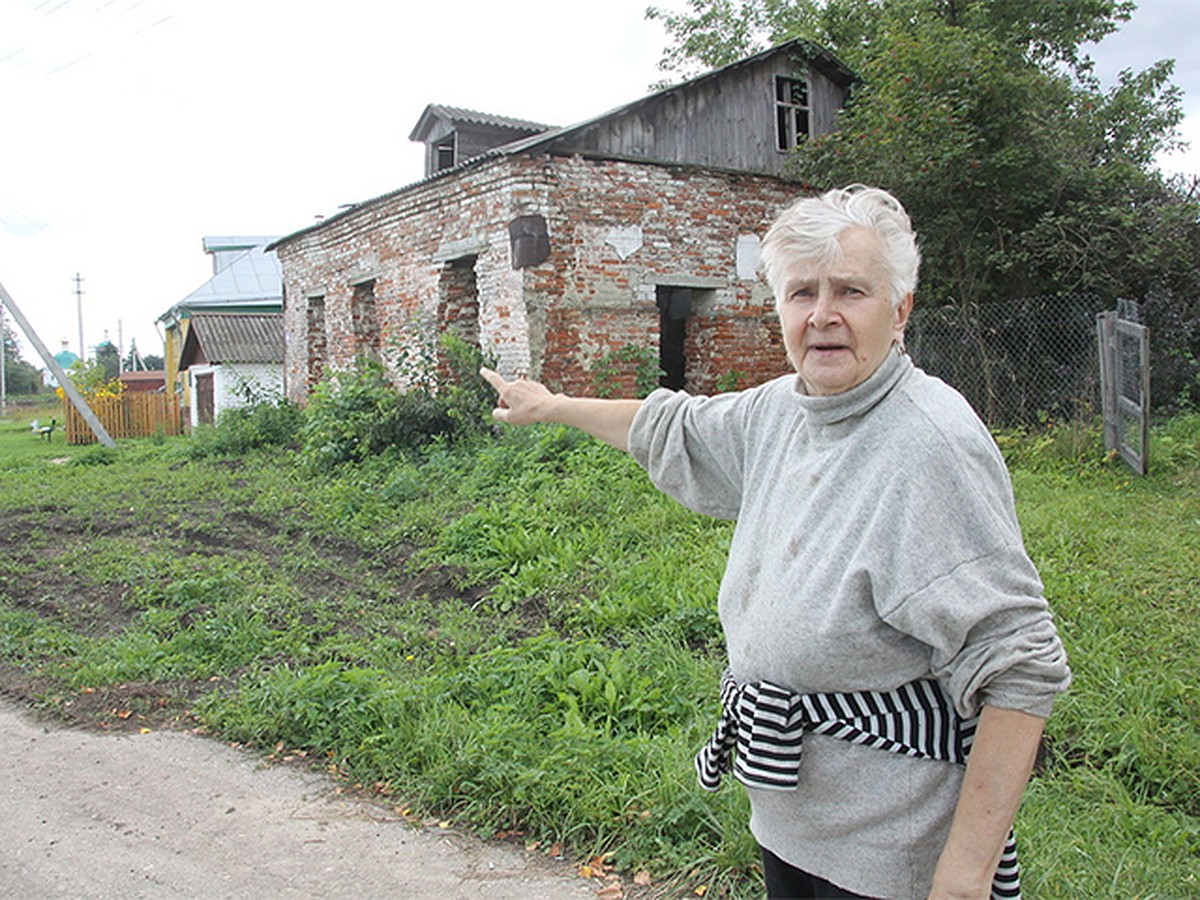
[232, 360]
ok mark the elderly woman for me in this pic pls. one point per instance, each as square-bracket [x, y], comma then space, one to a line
[878, 605]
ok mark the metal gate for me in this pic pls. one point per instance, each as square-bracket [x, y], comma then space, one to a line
[1125, 385]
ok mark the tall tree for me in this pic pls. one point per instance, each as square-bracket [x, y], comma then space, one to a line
[1023, 179]
[109, 359]
[715, 32]
[20, 377]
[1022, 174]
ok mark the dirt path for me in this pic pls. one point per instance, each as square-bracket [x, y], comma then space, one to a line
[168, 814]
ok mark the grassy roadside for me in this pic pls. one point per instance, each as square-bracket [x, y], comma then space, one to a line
[521, 634]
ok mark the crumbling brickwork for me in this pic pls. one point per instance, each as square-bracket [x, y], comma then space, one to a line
[438, 254]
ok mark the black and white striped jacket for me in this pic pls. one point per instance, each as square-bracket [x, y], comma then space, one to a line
[765, 724]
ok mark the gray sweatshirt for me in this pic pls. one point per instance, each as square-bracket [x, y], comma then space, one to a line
[876, 543]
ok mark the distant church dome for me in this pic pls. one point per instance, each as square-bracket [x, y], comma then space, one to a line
[65, 357]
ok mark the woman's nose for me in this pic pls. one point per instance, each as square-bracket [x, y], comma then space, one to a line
[824, 310]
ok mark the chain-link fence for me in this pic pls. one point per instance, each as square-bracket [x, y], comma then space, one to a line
[1174, 325]
[1025, 362]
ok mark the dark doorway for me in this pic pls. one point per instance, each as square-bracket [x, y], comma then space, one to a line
[674, 307]
[363, 321]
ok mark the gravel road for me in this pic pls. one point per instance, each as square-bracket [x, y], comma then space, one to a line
[168, 814]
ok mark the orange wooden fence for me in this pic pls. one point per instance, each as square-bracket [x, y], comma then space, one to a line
[129, 415]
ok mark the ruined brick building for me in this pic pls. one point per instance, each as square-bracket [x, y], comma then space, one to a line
[552, 248]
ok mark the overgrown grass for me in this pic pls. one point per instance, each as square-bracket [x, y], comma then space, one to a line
[1120, 557]
[521, 633]
[19, 445]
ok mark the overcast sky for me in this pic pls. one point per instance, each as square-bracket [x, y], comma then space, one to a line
[130, 129]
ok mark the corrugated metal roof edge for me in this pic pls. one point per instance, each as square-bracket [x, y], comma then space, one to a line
[461, 114]
[812, 51]
[261, 341]
[214, 306]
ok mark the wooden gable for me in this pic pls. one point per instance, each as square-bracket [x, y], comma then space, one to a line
[744, 117]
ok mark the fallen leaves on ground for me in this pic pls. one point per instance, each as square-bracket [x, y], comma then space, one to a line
[596, 867]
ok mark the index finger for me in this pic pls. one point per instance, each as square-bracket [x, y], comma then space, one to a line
[495, 379]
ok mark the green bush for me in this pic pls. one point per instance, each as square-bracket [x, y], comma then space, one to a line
[357, 414]
[242, 429]
[607, 372]
[469, 399]
[95, 456]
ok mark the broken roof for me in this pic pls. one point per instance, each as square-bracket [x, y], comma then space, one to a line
[822, 60]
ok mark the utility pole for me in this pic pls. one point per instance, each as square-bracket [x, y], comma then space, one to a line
[3, 366]
[79, 310]
[135, 359]
[64, 380]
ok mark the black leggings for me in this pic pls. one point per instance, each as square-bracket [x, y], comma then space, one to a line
[786, 882]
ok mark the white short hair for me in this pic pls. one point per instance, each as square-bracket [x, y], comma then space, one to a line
[809, 229]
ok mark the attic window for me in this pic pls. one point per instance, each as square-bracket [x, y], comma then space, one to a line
[446, 151]
[791, 111]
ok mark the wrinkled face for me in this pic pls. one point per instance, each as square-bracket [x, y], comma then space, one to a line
[838, 320]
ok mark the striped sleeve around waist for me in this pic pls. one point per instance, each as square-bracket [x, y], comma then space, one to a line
[765, 724]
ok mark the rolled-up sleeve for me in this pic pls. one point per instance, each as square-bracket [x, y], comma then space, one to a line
[977, 601]
[992, 637]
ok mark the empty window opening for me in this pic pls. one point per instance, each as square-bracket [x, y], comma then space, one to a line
[458, 300]
[316, 341]
[791, 111]
[364, 322]
[674, 307]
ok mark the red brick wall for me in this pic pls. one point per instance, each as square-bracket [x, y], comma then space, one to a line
[617, 230]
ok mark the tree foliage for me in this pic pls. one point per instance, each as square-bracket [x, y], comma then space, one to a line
[716, 32]
[109, 359]
[1022, 180]
[91, 379]
[20, 377]
[149, 362]
[1022, 174]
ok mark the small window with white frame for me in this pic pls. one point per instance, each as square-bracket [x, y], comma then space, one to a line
[791, 111]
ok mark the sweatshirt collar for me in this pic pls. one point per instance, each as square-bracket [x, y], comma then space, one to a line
[859, 399]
